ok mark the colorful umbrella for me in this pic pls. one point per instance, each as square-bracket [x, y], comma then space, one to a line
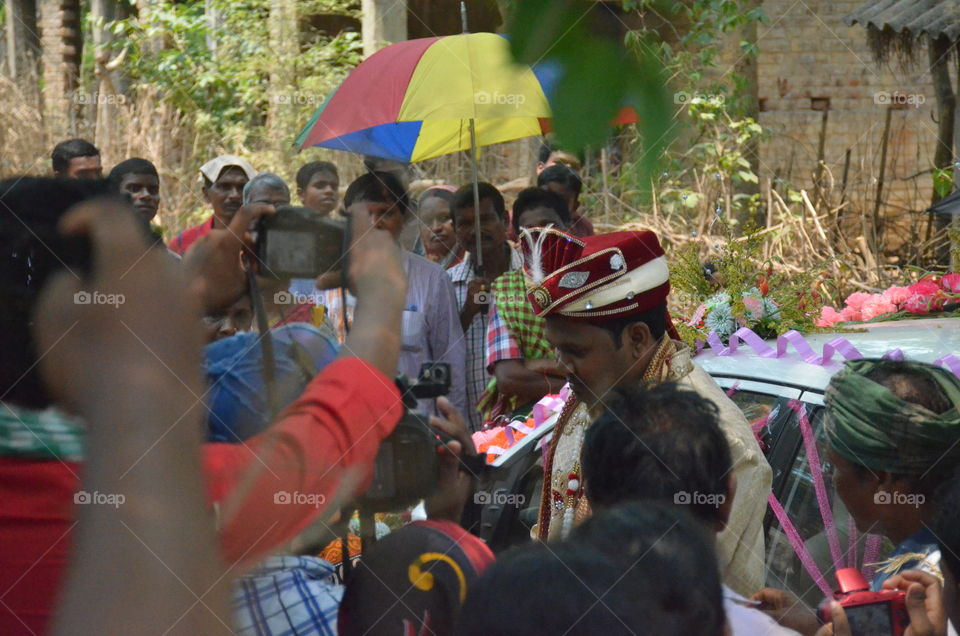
[414, 100]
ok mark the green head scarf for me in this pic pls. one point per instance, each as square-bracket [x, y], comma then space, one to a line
[868, 425]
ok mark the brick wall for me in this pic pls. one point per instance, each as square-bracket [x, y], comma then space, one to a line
[807, 52]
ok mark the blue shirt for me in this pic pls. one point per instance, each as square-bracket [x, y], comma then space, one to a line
[923, 542]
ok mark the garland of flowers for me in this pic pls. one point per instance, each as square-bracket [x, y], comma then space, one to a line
[931, 294]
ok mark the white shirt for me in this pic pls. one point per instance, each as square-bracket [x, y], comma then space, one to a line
[745, 620]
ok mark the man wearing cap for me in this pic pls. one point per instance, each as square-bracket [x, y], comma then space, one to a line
[605, 302]
[223, 181]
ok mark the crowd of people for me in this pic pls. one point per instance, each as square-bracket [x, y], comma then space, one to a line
[185, 437]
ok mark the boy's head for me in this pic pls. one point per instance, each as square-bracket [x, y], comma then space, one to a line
[318, 186]
[535, 207]
[660, 443]
[430, 566]
[76, 159]
[388, 199]
[565, 182]
[635, 569]
[138, 179]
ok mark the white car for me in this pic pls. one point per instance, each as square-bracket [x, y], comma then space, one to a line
[762, 387]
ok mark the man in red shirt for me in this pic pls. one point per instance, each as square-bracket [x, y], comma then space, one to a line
[223, 181]
[321, 445]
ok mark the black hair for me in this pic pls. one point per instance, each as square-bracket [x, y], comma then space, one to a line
[655, 318]
[131, 166]
[562, 174]
[463, 198]
[64, 151]
[908, 384]
[31, 250]
[608, 578]
[437, 193]
[545, 151]
[306, 172]
[377, 187]
[946, 524]
[531, 198]
[903, 380]
[660, 443]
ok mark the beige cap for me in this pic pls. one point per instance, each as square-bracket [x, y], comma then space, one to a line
[212, 169]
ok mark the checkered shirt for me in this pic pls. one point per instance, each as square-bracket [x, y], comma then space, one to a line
[476, 335]
[287, 596]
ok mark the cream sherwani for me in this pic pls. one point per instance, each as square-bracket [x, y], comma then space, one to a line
[740, 546]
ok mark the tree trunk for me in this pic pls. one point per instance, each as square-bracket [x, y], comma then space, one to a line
[111, 84]
[23, 43]
[384, 22]
[285, 43]
[939, 51]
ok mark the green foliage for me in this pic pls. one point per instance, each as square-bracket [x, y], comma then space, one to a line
[221, 76]
[942, 182]
[598, 76]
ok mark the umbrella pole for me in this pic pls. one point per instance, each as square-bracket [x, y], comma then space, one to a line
[478, 255]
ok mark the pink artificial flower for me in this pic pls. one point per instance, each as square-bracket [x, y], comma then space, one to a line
[924, 287]
[897, 295]
[951, 283]
[850, 314]
[856, 300]
[877, 307]
[754, 306]
[918, 304]
[828, 316]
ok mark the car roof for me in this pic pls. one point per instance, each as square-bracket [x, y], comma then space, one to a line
[924, 340]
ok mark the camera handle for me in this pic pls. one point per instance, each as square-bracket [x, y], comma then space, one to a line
[266, 343]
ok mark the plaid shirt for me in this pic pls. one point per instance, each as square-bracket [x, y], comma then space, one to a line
[500, 344]
[477, 377]
[287, 596]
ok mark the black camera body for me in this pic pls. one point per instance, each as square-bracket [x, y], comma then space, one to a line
[407, 467]
[298, 243]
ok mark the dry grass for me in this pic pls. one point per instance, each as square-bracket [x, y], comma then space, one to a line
[819, 232]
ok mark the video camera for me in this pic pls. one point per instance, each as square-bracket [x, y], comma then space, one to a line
[297, 243]
[407, 467]
[881, 613]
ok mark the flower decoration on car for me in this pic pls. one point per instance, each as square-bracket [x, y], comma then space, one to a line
[931, 294]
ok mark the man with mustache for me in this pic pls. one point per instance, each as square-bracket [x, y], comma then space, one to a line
[604, 298]
[223, 181]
